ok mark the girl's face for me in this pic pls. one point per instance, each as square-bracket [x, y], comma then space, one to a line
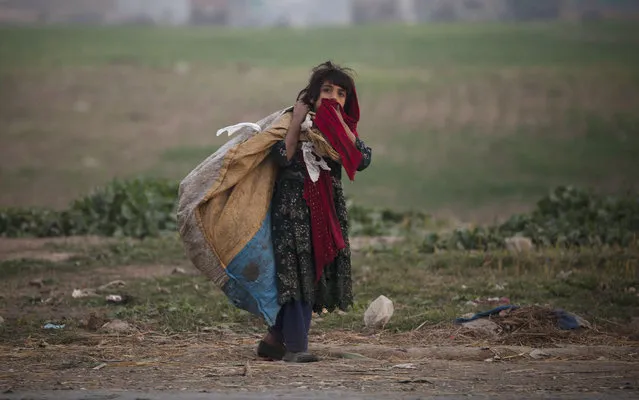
[330, 91]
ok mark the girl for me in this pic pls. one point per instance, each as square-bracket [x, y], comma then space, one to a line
[309, 216]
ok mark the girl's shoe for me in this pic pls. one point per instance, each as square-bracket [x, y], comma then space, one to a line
[301, 357]
[270, 351]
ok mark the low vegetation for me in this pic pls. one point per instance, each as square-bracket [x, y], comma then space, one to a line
[586, 261]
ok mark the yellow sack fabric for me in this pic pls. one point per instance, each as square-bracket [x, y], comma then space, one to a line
[235, 206]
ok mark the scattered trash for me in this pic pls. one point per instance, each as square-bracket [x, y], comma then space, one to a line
[99, 367]
[405, 366]
[511, 318]
[568, 320]
[484, 314]
[488, 301]
[117, 299]
[379, 312]
[178, 270]
[538, 354]
[81, 293]
[117, 326]
[111, 285]
[91, 292]
[53, 326]
[483, 326]
[564, 275]
[518, 244]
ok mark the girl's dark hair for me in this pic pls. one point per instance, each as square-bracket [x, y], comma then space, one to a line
[327, 72]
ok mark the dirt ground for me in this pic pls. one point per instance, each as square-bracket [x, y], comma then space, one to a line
[428, 361]
[222, 362]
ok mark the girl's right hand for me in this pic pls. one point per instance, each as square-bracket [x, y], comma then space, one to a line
[300, 109]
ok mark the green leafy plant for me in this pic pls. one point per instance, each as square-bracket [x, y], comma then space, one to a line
[567, 217]
[136, 208]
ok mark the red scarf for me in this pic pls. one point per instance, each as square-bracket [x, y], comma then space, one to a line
[331, 127]
[326, 231]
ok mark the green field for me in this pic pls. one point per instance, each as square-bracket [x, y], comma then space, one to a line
[475, 121]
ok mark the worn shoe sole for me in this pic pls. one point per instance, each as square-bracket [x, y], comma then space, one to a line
[301, 357]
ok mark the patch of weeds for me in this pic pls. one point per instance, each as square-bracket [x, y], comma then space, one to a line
[182, 304]
[32, 329]
[440, 287]
[165, 249]
[12, 268]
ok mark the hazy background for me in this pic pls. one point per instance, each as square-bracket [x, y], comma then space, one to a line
[473, 108]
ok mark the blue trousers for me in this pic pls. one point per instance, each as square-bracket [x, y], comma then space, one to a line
[292, 325]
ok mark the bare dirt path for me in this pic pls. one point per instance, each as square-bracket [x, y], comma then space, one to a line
[226, 363]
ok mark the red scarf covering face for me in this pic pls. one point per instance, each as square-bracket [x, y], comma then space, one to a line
[326, 231]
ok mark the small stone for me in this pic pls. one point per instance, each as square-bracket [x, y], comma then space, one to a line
[538, 354]
[117, 326]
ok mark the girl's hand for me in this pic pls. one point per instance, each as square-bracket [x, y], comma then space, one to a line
[300, 109]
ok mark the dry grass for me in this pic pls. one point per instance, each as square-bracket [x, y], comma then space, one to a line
[68, 130]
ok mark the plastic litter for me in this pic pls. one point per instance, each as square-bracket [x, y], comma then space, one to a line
[53, 326]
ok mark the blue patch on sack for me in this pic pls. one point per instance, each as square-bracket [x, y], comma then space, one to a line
[252, 286]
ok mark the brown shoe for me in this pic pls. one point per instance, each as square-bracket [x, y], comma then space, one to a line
[301, 357]
[270, 351]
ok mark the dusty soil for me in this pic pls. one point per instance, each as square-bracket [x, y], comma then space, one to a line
[223, 361]
[430, 361]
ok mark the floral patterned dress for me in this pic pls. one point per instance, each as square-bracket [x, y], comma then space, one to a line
[292, 241]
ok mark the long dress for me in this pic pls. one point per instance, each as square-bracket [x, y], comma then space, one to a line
[292, 241]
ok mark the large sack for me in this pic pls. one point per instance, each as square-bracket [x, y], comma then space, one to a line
[224, 216]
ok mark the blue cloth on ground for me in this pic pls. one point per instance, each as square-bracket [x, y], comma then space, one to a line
[484, 314]
[565, 319]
